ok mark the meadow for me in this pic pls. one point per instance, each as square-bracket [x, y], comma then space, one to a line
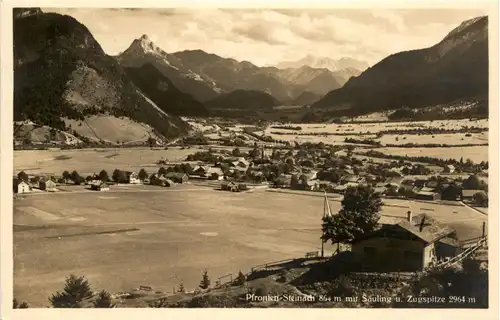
[373, 128]
[125, 238]
[476, 154]
[89, 161]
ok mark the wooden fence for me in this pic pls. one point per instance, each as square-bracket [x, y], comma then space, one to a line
[481, 243]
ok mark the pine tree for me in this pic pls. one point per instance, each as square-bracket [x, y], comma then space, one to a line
[240, 279]
[76, 289]
[181, 288]
[205, 281]
[103, 300]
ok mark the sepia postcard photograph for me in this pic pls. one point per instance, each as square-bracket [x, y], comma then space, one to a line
[251, 157]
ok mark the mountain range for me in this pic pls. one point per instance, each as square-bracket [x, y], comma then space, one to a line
[205, 75]
[325, 63]
[64, 80]
[453, 70]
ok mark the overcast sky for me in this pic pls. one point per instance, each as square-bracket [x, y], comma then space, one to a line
[267, 37]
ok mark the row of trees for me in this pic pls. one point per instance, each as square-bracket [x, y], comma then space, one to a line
[77, 293]
[464, 166]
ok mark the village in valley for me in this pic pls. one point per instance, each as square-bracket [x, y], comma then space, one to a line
[432, 192]
[255, 163]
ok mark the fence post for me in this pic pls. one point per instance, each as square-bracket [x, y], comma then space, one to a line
[484, 228]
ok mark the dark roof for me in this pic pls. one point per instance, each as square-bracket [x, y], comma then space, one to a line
[394, 180]
[450, 241]
[426, 228]
[431, 231]
[175, 175]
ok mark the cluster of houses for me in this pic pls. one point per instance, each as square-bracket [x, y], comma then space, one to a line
[310, 170]
[419, 187]
[27, 186]
[306, 168]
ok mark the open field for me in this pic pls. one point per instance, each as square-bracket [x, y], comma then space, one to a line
[111, 129]
[376, 127]
[337, 133]
[476, 154]
[447, 138]
[88, 161]
[181, 231]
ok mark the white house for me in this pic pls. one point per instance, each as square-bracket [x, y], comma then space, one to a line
[23, 187]
[134, 178]
[48, 185]
[449, 168]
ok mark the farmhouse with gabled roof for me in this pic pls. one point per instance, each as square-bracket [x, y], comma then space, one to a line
[410, 245]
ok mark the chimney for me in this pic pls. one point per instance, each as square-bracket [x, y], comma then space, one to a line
[409, 216]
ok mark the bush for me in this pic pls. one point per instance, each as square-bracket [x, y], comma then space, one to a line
[103, 300]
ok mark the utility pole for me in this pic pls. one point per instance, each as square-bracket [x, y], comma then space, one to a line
[327, 212]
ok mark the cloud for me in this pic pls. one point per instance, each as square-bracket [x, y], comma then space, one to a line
[264, 36]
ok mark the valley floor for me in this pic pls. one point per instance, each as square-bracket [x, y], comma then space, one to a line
[126, 238]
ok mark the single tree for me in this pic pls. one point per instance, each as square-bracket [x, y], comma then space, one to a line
[76, 290]
[240, 279]
[205, 280]
[162, 171]
[119, 176]
[74, 176]
[181, 288]
[103, 300]
[66, 175]
[103, 176]
[236, 152]
[255, 153]
[452, 192]
[143, 174]
[481, 199]
[358, 215]
[23, 176]
[151, 141]
[472, 183]
[224, 167]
